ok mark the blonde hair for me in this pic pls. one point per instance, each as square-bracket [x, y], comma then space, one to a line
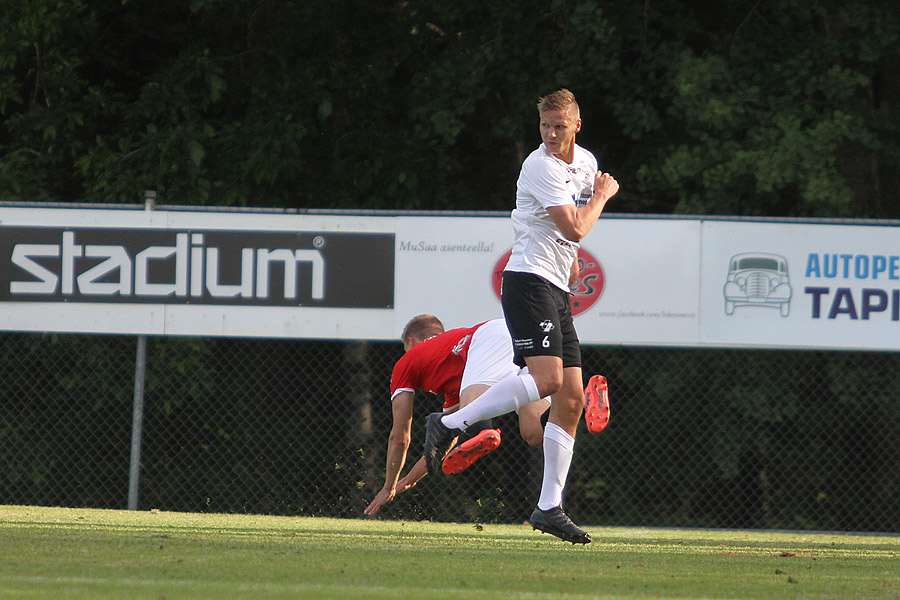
[559, 100]
[422, 327]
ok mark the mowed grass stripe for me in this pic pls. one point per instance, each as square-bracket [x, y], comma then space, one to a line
[73, 553]
[288, 588]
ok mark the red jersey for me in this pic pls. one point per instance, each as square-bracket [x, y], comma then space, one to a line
[435, 365]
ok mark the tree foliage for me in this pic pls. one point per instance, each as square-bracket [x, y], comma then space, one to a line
[784, 108]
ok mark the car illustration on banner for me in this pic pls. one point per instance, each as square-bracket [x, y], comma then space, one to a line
[758, 279]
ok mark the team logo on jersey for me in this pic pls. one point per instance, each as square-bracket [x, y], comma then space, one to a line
[461, 344]
[586, 291]
[546, 326]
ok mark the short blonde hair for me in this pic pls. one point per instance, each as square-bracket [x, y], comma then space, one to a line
[559, 100]
[422, 327]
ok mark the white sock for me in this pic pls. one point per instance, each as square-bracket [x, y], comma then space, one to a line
[505, 396]
[558, 449]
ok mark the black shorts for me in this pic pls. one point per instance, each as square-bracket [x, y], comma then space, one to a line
[539, 317]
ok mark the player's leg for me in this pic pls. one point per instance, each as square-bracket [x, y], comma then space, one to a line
[489, 359]
[465, 454]
[530, 421]
[467, 394]
[528, 305]
[503, 397]
[547, 372]
[559, 446]
[568, 402]
[481, 442]
[508, 395]
[490, 362]
[559, 439]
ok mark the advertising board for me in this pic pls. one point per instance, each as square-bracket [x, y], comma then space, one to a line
[689, 282]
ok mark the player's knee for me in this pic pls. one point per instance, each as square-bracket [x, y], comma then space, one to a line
[548, 383]
[533, 436]
[573, 400]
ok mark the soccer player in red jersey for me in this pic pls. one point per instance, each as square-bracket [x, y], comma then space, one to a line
[460, 364]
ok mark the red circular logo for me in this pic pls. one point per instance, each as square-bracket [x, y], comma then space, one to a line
[587, 288]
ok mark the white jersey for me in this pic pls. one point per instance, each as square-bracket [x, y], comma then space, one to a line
[544, 181]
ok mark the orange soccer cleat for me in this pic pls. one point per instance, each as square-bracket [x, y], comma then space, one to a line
[596, 409]
[461, 458]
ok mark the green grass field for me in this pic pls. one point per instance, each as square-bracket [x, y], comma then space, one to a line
[74, 553]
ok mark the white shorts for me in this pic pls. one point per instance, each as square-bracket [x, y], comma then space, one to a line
[490, 357]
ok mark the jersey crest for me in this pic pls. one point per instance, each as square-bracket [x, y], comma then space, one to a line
[461, 344]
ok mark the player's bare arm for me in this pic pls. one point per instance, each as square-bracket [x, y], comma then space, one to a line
[398, 444]
[574, 223]
[417, 472]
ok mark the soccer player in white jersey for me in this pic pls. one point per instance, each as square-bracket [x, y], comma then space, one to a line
[560, 195]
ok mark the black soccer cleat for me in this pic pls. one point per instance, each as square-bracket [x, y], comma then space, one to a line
[555, 522]
[438, 439]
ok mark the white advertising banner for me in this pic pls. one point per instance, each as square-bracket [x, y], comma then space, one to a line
[660, 282]
[445, 268]
[639, 279]
[651, 282]
[800, 286]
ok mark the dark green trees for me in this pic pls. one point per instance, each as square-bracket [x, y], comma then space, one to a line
[783, 108]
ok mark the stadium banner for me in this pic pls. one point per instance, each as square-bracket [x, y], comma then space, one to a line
[688, 282]
[191, 273]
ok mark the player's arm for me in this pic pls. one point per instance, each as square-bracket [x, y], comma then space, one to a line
[398, 444]
[418, 471]
[574, 223]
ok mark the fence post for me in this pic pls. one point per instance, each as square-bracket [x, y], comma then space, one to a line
[137, 422]
[137, 417]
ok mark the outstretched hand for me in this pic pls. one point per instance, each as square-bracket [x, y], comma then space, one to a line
[381, 498]
[387, 494]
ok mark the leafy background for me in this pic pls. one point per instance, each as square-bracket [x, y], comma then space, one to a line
[778, 108]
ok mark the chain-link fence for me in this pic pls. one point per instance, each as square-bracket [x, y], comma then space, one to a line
[723, 438]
